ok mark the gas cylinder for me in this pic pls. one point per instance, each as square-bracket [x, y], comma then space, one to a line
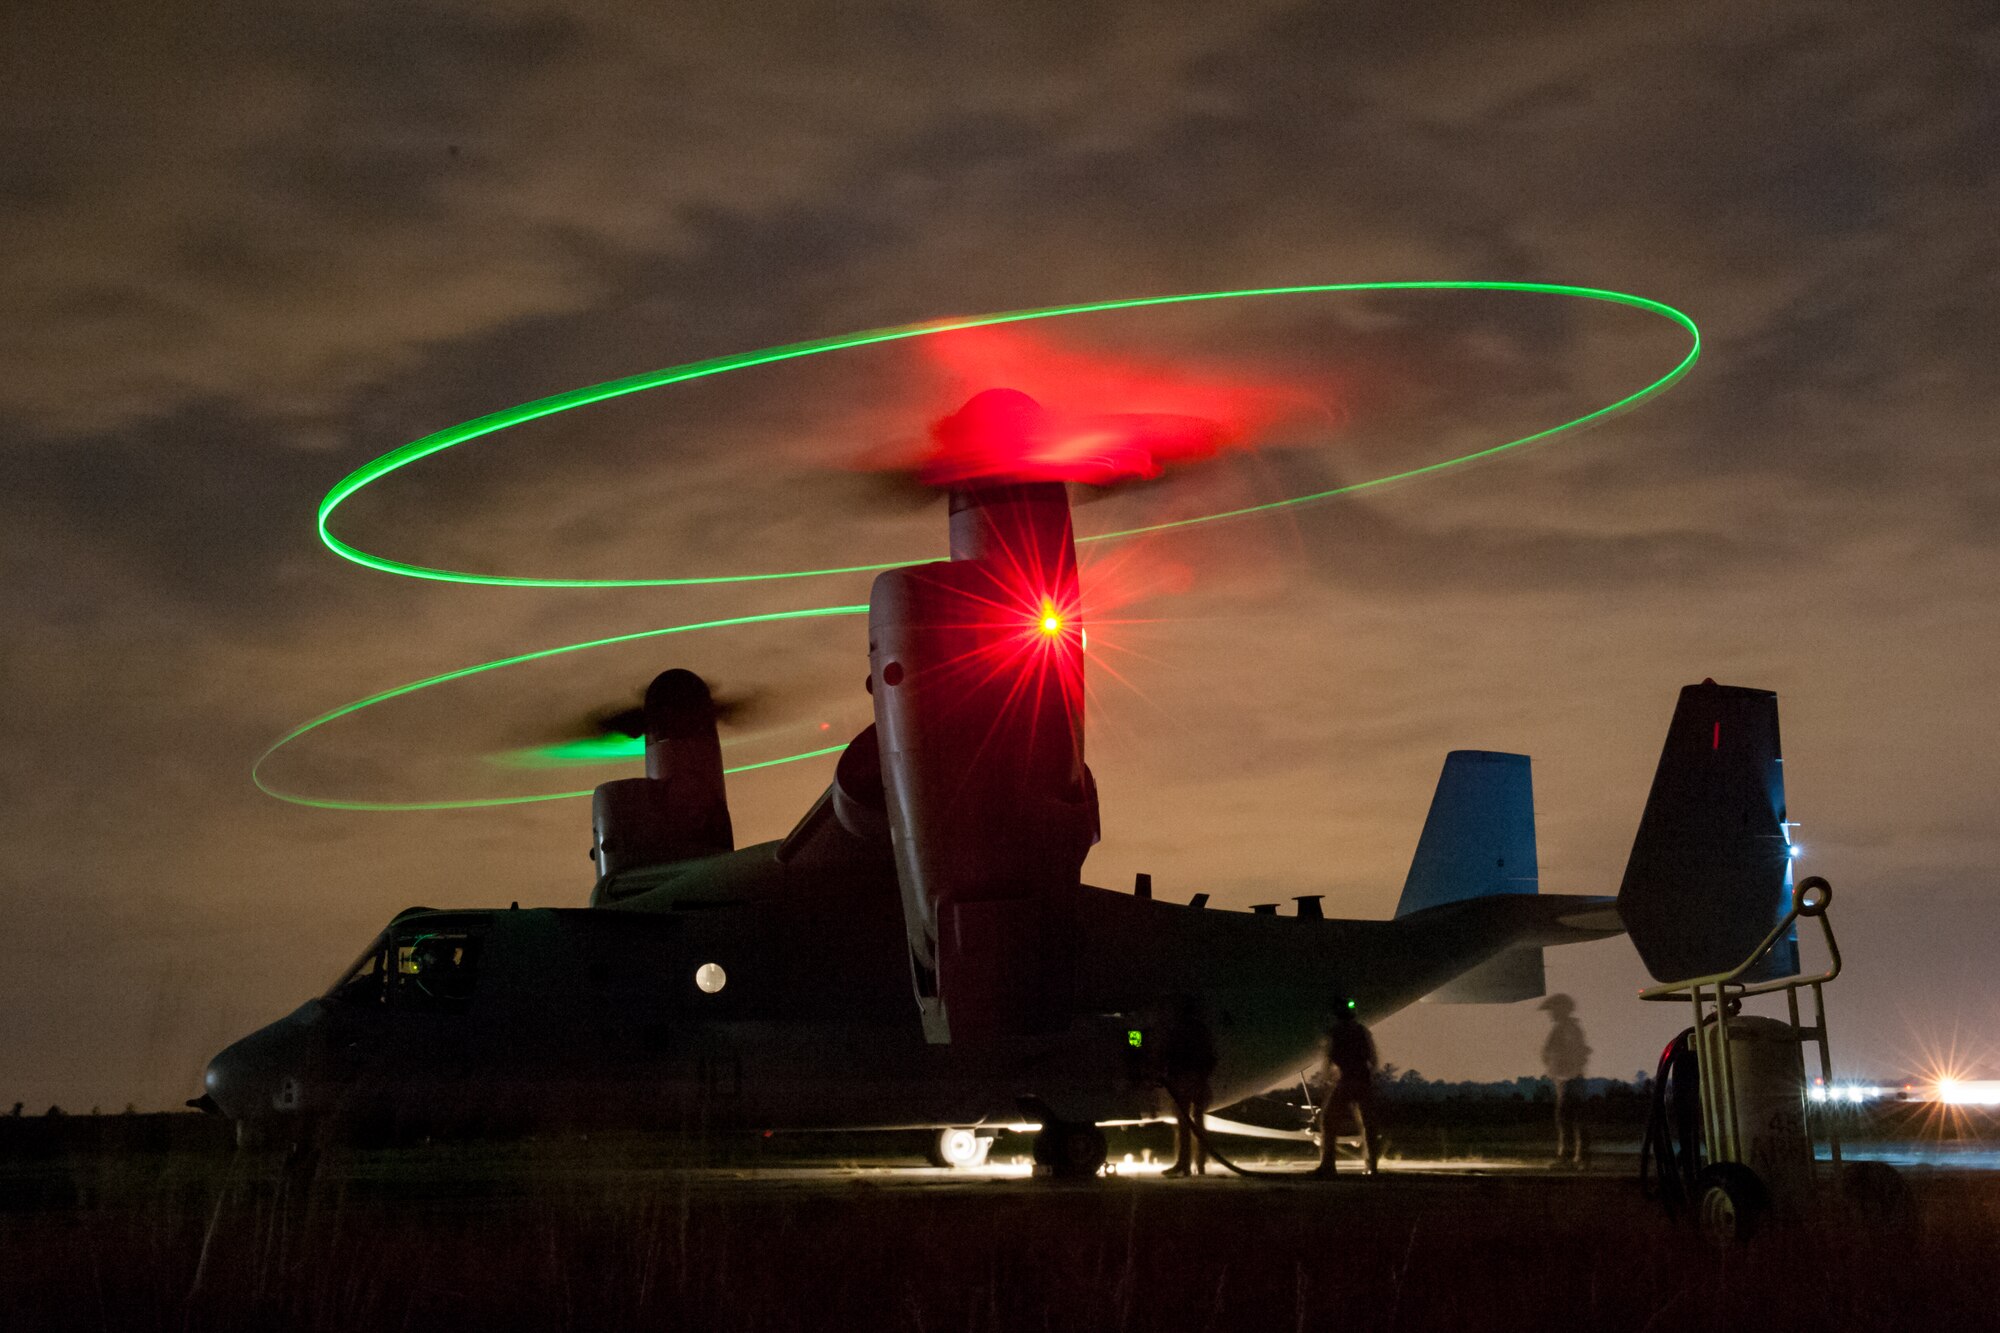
[1767, 1080]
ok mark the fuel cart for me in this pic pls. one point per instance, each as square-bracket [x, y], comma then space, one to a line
[1732, 1136]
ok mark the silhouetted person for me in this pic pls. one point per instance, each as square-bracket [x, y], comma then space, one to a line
[1349, 1077]
[1187, 1063]
[1565, 1057]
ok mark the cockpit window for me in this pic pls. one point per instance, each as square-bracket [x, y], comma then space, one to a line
[421, 967]
[362, 983]
[435, 969]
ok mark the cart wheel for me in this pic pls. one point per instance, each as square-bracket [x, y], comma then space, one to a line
[1876, 1193]
[1733, 1202]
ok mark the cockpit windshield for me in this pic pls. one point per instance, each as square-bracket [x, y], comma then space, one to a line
[428, 964]
[363, 975]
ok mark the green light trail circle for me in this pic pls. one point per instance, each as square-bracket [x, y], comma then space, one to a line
[498, 663]
[494, 422]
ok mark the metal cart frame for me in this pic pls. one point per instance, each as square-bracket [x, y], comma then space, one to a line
[1720, 994]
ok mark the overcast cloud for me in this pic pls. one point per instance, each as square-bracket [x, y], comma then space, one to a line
[241, 252]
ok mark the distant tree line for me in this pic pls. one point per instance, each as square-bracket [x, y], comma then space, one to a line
[1409, 1085]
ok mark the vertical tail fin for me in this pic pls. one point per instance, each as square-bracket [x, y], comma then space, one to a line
[1711, 868]
[1479, 840]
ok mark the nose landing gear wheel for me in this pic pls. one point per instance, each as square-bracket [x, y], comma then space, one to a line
[1731, 1203]
[959, 1148]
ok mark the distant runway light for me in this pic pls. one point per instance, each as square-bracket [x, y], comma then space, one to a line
[1968, 1092]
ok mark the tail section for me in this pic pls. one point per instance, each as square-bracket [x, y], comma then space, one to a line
[1710, 872]
[1478, 842]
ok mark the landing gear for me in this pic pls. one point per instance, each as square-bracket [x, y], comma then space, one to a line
[1877, 1194]
[1730, 1203]
[1069, 1151]
[958, 1148]
[289, 1134]
[287, 1148]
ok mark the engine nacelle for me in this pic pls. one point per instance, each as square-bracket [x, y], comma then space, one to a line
[976, 666]
[679, 810]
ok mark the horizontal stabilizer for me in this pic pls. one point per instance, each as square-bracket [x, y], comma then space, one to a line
[1510, 975]
[1479, 838]
[1710, 872]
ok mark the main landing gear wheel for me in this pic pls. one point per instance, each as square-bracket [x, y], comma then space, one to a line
[958, 1148]
[1731, 1203]
[1877, 1194]
[1069, 1151]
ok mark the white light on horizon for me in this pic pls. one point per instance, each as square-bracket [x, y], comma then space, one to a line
[1968, 1092]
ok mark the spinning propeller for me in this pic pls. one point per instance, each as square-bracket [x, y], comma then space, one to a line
[1101, 419]
[616, 732]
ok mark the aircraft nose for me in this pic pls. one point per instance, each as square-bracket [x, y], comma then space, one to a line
[252, 1077]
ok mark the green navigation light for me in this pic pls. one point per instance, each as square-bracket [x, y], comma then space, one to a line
[575, 753]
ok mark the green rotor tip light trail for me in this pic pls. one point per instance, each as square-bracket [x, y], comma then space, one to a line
[519, 659]
[492, 423]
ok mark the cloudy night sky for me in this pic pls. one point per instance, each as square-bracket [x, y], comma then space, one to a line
[244, 249]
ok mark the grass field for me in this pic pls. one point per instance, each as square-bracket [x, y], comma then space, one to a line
[622, 1234]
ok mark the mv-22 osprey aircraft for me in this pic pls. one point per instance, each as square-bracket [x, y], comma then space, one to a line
[921, 951]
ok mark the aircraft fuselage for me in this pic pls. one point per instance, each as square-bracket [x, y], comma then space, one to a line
[598, 1016]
